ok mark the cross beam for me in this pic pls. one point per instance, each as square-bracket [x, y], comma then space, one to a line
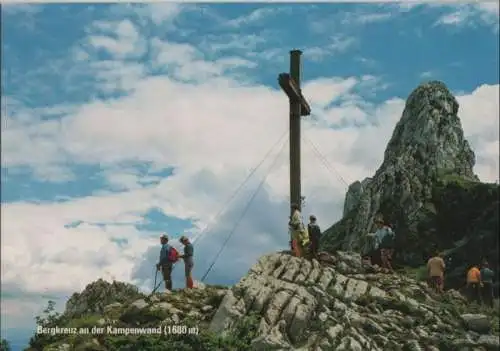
[294, 93]
[290, 83]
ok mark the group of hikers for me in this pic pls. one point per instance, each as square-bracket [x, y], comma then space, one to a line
[304, 240]
[169, 256]
[479, 279]
[378, 251]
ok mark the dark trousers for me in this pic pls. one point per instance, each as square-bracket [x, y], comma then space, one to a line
[167, 275]
[474, 293]
[487, 294]
[314, 247]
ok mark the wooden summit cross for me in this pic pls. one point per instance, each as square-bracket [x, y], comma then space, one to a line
[290, 83]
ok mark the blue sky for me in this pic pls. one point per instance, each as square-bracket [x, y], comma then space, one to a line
[123, 121]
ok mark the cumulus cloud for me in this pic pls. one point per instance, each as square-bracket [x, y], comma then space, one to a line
[208, 123]
[470, 14]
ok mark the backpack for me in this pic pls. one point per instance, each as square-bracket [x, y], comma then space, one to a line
[173, 255]
[388, 240]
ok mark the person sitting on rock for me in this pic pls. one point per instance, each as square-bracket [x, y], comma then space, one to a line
[300, 237]
[473, 284]
[314, 235]
[486, 283]
[188, 260]
[166, 263]
[435, 269]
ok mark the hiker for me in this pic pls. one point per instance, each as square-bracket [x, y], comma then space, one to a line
[168, 256]
[473, 284]
[486, 283]
[435, 270]
[387, 247]
[188, 260]
[300, 237]
[314, 235]
[377, 238]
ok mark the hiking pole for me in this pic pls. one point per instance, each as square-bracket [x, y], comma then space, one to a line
[159, 283]
[154, 284]
[156, 288]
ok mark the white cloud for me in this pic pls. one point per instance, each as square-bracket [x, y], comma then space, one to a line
[479, 113]
[163, 12]
[334, 45]
[213, 129]
[327, 90]
[471, 14]
[187, 63]
[364, 18]
[212, 126]
[121, 39]
[257, 15]
[19, 8]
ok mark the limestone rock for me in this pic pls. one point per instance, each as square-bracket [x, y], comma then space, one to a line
[427, 189]
[97, 295]
[288, 303]
[477, 322]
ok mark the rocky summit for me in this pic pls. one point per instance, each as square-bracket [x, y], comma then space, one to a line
[427, 190]
[283, 303]
[425, 187]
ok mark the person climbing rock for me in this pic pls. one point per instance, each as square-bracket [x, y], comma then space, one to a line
[188, 260]
[473, 284]
[166, 261]
[300, 237]
[486, 283]
[314, 235]
[435, 270]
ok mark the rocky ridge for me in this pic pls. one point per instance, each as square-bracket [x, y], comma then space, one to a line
[425, 187]
[288, 303]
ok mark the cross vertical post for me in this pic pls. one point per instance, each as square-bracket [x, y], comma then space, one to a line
[290, 83]
[295, 183]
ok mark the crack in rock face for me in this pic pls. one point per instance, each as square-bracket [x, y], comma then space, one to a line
[353, 309]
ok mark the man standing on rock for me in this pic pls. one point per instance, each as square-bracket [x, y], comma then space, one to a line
[165, 264]
[300, 237]
[377, 237]
[487, 276]
[473, 284]
[314, 235]
[188, 260]
[435, 269]
[387, 247]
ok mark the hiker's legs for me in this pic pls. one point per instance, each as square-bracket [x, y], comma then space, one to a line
[314, 248]
[296, 248]
[389, 254]
[383, 258]
[474, 292]
[376, 259]
[487, 294]
[441, 284]
[433, 283]
[188, 268]
[167, 276]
